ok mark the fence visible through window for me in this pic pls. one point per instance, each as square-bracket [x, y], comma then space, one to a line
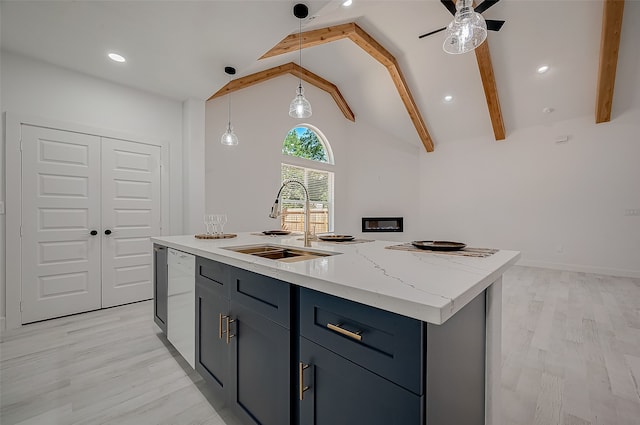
[292, 219]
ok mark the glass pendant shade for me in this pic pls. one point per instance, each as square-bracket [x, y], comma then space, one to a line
[467, 30]
[300, 106]
[229, 138]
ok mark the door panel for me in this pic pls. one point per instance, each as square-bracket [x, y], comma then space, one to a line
[131, 211]
[60, 206]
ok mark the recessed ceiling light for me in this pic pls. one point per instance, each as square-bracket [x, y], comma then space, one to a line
[116, 57]
[448, 98]
[347, 3]
[542, 69]
[547, 110]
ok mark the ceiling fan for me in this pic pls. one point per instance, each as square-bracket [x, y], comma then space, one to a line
[492, 24]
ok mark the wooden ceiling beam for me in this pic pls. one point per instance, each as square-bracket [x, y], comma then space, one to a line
[613, 11]
[485, 66]
[483, 57]
[310, 38]
[289, 68]
[360, 37]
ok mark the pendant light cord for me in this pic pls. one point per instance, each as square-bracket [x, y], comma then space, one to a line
[300, 52]
[229, 107]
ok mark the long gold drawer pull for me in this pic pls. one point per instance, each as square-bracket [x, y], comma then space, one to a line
[229, 321]
[220, 326]
[337, 328]
[301, 369]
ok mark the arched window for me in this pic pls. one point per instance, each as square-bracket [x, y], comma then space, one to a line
[308, 159]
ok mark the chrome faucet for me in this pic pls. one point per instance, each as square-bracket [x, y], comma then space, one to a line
[277, 211]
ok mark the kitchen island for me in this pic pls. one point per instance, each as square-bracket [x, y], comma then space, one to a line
[359, 332]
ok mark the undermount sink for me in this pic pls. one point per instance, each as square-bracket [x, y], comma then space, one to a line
[280, 253]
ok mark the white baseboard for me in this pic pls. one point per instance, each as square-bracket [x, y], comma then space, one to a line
[581, 268]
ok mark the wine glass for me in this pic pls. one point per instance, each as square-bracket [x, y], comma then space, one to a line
[208, 223]
[222, 220]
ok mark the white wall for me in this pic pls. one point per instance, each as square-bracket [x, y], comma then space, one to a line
[38, 89]
[562, 205]
[3, 266]
[383, 182]
[193, 119]
[244, 181]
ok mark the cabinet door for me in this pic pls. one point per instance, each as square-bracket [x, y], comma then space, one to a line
[260, 363]
[160, 285]
[212, 351]
[343, 393]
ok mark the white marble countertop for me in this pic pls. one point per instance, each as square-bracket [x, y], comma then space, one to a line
[423, 285]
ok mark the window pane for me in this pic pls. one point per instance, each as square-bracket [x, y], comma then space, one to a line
[320, 197]
[318, 185]
[304, 143]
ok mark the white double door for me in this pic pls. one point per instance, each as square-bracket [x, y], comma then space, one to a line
[89, 206]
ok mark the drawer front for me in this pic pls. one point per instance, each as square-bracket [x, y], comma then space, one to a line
[385, 343]
[266, 296]
[216, 275]
[338, 392]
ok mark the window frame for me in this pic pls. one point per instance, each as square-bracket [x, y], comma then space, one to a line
[313, 165]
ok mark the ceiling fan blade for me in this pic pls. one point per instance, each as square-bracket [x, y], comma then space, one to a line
[485, 5]
[493, 25]
[432, 32]
[450, 5]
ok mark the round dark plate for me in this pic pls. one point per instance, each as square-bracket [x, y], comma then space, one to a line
[276, 232]
[439, 245]
[336, 238]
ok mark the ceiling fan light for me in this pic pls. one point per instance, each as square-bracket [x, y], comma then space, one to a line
[300, 106]
[466, 32]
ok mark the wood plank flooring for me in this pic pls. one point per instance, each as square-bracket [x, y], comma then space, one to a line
[571, 356]
[110, 366]
[571, 348]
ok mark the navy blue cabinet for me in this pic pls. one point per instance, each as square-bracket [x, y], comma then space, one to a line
[212, 350]
[260, 367]
[243, 341]
[358, 364]
[160, 286]
[385, 343]
[337, 391]
[283, 355]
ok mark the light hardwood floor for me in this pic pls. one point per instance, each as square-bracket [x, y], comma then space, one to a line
[571, 355]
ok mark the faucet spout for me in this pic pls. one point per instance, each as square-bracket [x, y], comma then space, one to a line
[276, 209]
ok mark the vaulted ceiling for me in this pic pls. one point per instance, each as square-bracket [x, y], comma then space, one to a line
[179, 49]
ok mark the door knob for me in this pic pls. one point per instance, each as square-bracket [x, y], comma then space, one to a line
[107, 232]
[93, 232]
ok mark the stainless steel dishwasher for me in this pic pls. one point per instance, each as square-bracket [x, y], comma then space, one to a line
[181, 304]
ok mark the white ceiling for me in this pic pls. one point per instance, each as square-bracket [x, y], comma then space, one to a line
[178, 49]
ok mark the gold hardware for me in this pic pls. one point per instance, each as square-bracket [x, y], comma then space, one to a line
[355, 335]
[220, 326]
[301, 368]
[228, 331]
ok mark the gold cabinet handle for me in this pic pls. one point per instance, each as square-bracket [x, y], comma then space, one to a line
[228, 331]
[355, 335]
[228, 320]
[301, 368]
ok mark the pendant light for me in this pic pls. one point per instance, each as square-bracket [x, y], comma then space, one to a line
[229, 138]
[300, 106]
[467, 31]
